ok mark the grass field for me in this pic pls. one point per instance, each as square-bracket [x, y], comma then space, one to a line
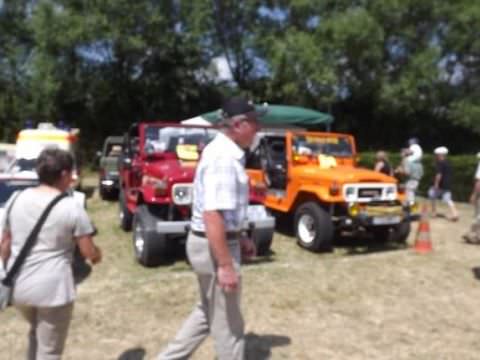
[359, 302]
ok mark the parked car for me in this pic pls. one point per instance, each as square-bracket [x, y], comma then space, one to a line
[9, 183]
[108, 183]
[157, 168]
[7, 156]
[313, 178]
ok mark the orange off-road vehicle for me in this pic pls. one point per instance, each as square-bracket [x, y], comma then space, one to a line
[313, 177]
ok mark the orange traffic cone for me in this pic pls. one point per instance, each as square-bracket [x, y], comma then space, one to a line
[423, 243]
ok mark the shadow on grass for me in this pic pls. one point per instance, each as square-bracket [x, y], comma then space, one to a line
[353, 245]
[258, 347]
[133, 354]
[476, 272]
[365, 245]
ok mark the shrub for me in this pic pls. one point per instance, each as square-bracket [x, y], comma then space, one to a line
[463, 171]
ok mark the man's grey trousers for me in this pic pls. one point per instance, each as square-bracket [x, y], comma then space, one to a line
[217, 313]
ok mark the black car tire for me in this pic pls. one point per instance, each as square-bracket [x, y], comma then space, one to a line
[397, 234]
[401, 232]
[263, 240]
[150, 247]
[313, 227]
[126, 217]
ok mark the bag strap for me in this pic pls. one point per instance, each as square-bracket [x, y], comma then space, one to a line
[30, 242]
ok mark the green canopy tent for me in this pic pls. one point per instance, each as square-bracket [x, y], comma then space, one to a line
[277, 115]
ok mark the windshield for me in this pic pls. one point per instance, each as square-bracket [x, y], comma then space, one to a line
[338, 146]
[168, 139]
[24, 165]
[8, 187]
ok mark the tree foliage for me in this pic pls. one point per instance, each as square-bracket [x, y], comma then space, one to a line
[386, 69]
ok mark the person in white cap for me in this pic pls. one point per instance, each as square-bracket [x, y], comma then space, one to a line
[441, 188]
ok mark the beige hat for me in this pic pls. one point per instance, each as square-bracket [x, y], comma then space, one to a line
[441, 150]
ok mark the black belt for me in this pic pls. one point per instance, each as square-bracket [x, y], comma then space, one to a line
[229, 234]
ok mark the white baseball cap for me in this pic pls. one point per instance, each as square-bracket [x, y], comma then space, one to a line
[441, 150]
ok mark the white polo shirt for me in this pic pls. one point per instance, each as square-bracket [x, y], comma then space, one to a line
[221, 183]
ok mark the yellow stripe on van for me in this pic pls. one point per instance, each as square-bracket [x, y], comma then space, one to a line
[46, 137]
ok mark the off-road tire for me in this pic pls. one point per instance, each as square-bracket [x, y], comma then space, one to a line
[401, 232]
[263, 240]
[397, 234]
[150, 247]
[313, 227]
[125, 216]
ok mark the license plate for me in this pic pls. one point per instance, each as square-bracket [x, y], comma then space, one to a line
[386, 220]
[256, 212]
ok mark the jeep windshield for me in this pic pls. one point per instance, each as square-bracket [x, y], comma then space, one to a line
[338, 146]
[183, 141]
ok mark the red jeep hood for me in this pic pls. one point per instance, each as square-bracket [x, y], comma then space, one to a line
[172, 169]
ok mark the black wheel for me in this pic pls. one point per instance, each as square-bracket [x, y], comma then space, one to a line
[401, 232]
[313, 227]
[103, 193]
[263, 240]
[398, 234]
[150, 247]
[125, 216]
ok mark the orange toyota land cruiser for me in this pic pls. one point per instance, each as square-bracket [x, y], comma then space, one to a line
[313, 177]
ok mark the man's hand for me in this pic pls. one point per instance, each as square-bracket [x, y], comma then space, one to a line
[227, 278]
[248, 248]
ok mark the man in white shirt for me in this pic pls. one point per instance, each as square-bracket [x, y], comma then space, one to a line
[216, 241]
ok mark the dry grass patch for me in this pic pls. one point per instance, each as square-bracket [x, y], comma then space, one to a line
[355, 303]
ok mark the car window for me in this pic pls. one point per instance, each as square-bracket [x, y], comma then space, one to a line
[339, 146]
[166, 139]
[8, 187]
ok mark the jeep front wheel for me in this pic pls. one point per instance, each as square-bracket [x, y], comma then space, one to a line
[401, 232]
[125, 216]
[150, 247]
[313, 227]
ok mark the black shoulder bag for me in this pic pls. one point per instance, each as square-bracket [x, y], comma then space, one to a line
[6, 285]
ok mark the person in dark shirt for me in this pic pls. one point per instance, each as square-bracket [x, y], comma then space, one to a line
[441, 188]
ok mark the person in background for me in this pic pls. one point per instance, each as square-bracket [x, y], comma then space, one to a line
[415, 152]
[411, 169]
[217, 240]
[44, 290]
[473, 235]
[382, 164]
[442, 183]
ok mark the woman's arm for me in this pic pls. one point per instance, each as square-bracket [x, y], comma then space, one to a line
[5, 247]
[88, 249]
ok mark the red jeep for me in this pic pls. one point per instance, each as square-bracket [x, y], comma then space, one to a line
[157, 167]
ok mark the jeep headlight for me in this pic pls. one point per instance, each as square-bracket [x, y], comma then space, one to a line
[391, 192]
[350, 193]
[182, 194]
